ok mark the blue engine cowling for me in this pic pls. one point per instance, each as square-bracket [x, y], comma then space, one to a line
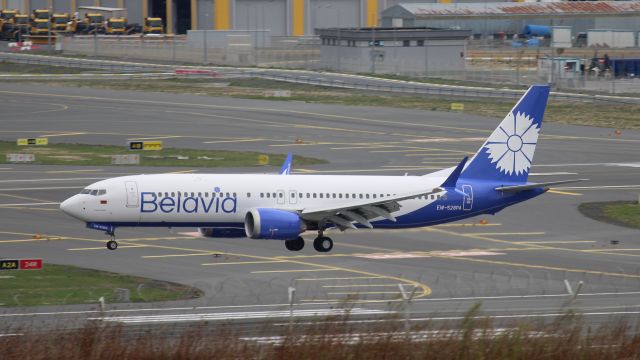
[265, 223]
[222, 232]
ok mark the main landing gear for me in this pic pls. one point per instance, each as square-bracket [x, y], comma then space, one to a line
[321, 243]
[112, 244]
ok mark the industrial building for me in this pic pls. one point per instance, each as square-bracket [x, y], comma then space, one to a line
[408, 51]
[510, 18]
[281, 17]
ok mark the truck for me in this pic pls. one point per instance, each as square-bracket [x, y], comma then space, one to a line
[40, 14]
[40, 27]
[92, 23]
[116, 26]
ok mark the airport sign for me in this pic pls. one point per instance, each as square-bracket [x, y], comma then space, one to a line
[145, 145]
[21, 264]
[32, 141]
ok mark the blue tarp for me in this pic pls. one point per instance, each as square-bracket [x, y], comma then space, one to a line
[537, 30]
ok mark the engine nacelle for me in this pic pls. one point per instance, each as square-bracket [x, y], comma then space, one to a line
[222, 232]
[265, 223]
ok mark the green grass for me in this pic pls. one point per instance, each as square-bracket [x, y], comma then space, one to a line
[624, 213]
[13, 68]
[100, 155]
[628, 213]
[63, 284]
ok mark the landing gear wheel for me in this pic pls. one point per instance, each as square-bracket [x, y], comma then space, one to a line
[295, 244]
[323, 244]
[112, 245]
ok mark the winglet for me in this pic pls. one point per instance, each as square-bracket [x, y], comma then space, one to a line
[452, 180]
[286, 166]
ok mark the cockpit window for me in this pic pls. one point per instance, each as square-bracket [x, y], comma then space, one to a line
[85, 191]
[94, 192]
[102, 192]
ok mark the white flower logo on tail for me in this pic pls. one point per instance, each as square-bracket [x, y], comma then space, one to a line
[513, 143]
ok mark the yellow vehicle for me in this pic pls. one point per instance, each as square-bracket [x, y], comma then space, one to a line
[40, 14]
[40, 27]
[92, 23]
[59, 21]
[116, 26]
[7, 15]
[13, 25]
[153, 26]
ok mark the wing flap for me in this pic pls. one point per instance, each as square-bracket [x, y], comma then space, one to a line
[518, 188]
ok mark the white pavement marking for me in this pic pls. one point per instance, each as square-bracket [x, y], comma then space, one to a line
[239, 315]
[621, 187]
[553, 173]
[43, 188]
[6, 335]
[45, 180]
[30, 204]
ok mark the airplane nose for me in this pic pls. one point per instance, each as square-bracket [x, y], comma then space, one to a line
[71, 207]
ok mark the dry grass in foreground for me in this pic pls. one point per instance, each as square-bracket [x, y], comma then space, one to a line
[568, 338]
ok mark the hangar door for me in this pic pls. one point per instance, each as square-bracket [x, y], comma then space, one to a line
[333, 13]
[261, 14]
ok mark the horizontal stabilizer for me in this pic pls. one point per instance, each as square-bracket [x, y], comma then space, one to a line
[452, 180]
[518, 188]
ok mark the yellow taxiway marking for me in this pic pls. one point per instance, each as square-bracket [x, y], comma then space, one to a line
[30, 240]
[604, 250]
[359, 285]
[179, 255]
[553, 191]
[508, 233]
[368, 170]
[105, 248]
[63, 134]
[463, 225]
[545, 267]
[27, 208]
[425, 290]
[245, 262]
[340, 278]
[155, 138]
[292, 270]
[24, 197]
[364, 293]
[553, 242]
[182, 172]
[234, 141]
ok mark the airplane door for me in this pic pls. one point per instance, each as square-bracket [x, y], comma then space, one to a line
[293, 197]
[467, 202]
[132, 193]
[281, 197]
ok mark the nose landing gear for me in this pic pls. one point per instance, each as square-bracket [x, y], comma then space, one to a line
[112, 244]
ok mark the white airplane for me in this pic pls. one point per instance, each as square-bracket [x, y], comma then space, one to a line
[283, 206]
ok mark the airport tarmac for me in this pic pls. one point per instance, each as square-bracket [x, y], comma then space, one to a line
[515, 262]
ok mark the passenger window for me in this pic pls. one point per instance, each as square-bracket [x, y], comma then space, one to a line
[193, 194]
[173, 194]
[314, 195]
[334, 195]
[367, 196]
[269, 195]
[321, 194]
[166, 194]
[438, 196]
[261, 195]
[199, 194]
[248, 195]
[340, 196]
[293, 194]
[206, 194]
[159, 194]
[274, 195]
[361, 196]
[235, 195]
[228, 195]
[309, 195]
[280, 195]
[444, 197]
[374, 196]
[213, 194]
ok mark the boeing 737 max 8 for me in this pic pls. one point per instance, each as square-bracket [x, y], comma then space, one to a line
[283, 206]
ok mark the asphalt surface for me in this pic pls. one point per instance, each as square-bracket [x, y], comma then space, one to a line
[514, 263]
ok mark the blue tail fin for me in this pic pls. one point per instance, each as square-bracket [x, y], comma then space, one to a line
[286, 166]
[508, 153]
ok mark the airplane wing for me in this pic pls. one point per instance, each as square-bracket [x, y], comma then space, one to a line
[362, 211]
[518, 188]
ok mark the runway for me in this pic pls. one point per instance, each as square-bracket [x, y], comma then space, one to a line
[514, 263]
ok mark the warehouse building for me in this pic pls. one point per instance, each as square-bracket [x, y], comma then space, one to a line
[407, 51]
[281, 17]
[511, 18]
